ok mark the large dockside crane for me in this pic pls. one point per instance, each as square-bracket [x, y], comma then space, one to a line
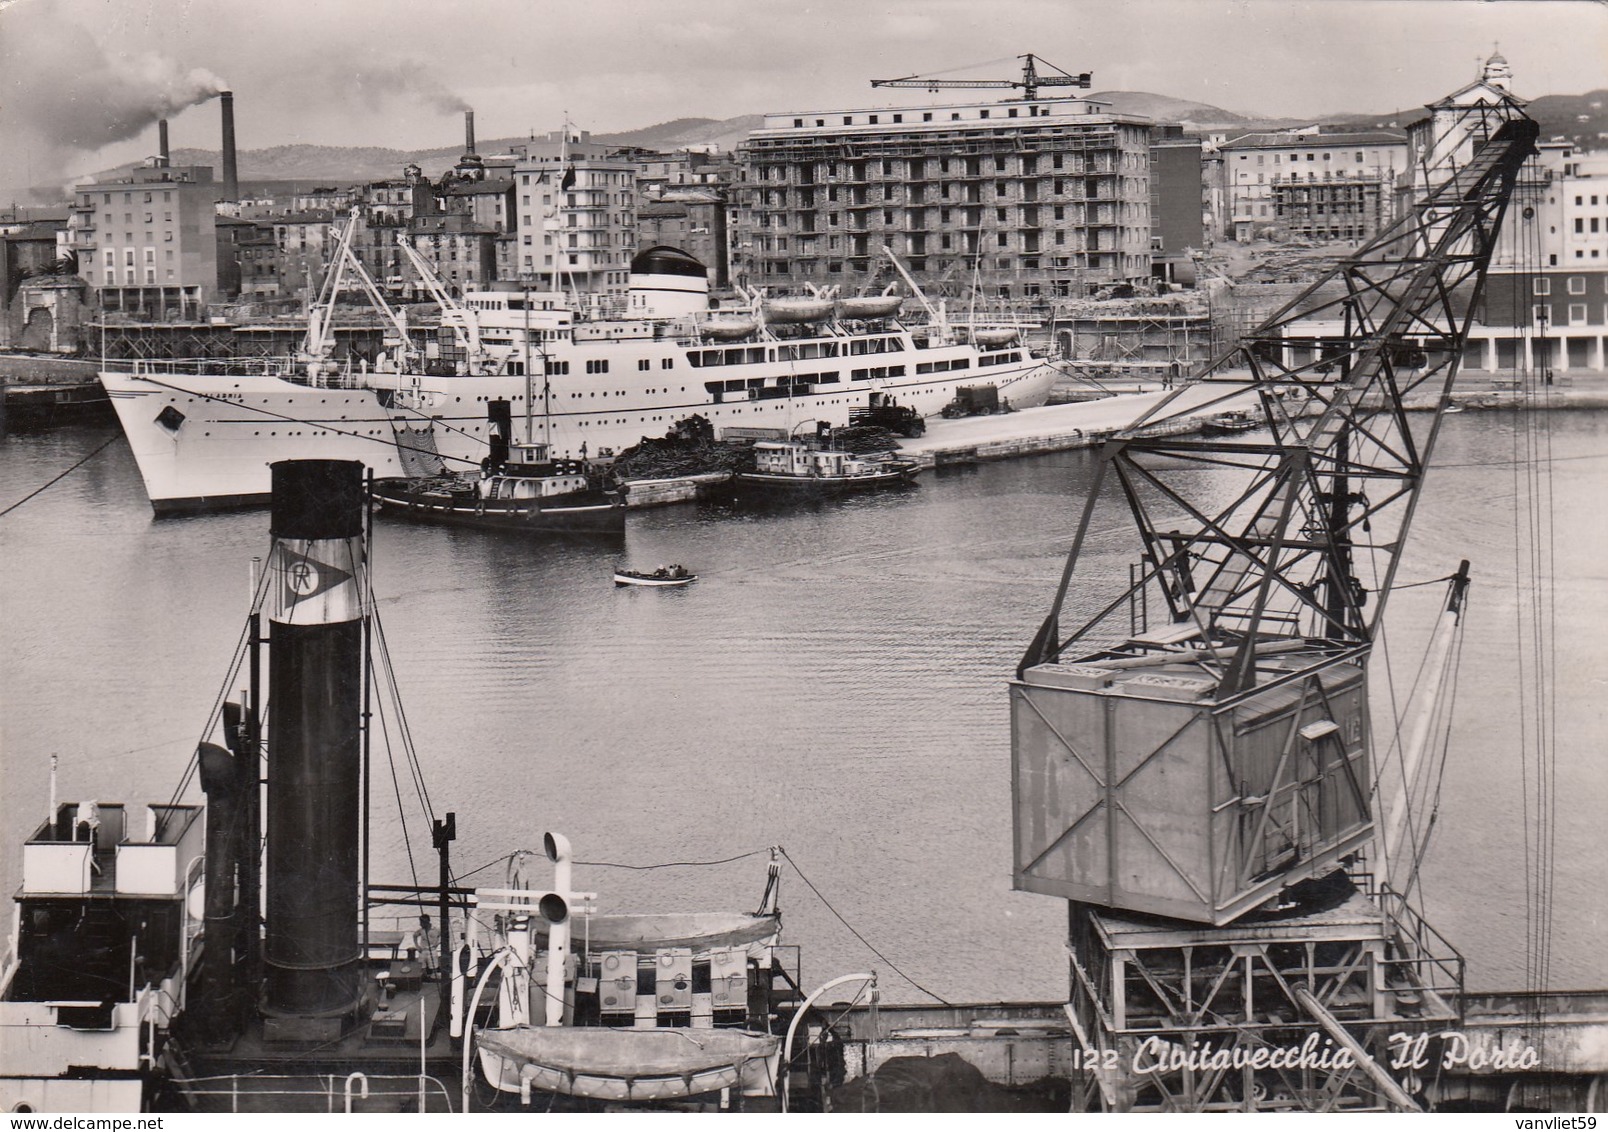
[1028, 84]
[1191, 757]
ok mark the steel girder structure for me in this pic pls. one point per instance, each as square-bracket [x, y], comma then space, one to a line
[1315, 1013]
[1288, 561]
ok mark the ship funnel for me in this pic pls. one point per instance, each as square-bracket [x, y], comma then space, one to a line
[312, 976]
[231, 173]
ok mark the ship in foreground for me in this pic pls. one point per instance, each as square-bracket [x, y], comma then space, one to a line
[142, 976]
[203, 434]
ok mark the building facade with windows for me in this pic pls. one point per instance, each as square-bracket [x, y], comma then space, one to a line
[1308, 185]
[1177, 204]
[694, 222]
[1545, 305]
[460, 249]
[147, 244]
[1027, 198]
[576, 215]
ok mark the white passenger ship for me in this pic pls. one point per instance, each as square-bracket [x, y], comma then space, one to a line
[586, 388]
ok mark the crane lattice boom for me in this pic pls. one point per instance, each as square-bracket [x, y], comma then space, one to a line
[1029, 83]
[1296, 553]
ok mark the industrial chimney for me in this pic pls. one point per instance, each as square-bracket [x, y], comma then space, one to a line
[312, 985]
[468, 131]
[164, 159]
[231, 175]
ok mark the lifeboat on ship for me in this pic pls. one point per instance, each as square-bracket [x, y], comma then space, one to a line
[624, 1064]
[870, 306]
[797, 310]
[995, 337]
[727, 329]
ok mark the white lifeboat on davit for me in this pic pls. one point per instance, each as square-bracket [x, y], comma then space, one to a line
[869, 306]
[797, 310]
[995, 337]
[726, 329]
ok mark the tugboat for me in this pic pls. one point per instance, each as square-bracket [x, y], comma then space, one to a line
[159, 962]
[801, 469]
[520, 488]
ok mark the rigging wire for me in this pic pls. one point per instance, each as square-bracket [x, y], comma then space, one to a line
[238, 658]
[852, 931]
[57, 479]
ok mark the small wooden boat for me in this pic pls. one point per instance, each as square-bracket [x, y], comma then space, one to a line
[529, 493]
[662, 576]
[1227, 424]
[623, 1064]
[792, 467]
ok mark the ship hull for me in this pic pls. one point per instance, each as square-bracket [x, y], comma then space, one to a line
[403, 500]
[205, 441]
[797, 487]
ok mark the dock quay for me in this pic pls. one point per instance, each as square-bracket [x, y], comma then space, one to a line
[1477, 1064]
[1002, 436]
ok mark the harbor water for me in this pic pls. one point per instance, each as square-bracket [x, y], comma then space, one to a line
[835, 683]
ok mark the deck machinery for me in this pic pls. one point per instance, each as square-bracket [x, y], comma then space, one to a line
[1192, 769]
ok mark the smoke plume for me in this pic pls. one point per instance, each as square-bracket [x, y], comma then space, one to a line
[65, 98]
[380, 85]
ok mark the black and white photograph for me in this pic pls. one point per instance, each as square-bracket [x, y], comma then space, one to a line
[923, 556]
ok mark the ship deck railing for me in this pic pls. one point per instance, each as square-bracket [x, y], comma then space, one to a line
[220, 367]
[327, 1092]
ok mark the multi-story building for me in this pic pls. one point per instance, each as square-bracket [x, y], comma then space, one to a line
[489, 202]
[694, 222]
[460, 250]
[248, 259]
[324, 199]
[1544, 308]
[659, 173]
[1306, 184]
[397, 202]
[576, 209]
[1545, 305]
[1048, 196]
[1176, 204]
[148, 243]
[305, 240]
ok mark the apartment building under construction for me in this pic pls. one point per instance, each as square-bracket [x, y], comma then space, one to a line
[1032, 197]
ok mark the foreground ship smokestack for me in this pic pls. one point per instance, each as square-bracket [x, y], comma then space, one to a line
[312, 980]
[231, 174]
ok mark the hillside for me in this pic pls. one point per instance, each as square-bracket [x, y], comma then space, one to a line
[1581, 118]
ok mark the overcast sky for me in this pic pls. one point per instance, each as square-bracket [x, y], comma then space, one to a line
[81, 81]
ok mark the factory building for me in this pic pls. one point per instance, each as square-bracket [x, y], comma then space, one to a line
[1036, 197]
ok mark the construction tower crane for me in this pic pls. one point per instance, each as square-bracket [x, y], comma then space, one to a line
[1192, 765]
[1029, 83]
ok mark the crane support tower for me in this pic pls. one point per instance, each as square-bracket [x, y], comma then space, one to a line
[1191, 762]
[1028, 84]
